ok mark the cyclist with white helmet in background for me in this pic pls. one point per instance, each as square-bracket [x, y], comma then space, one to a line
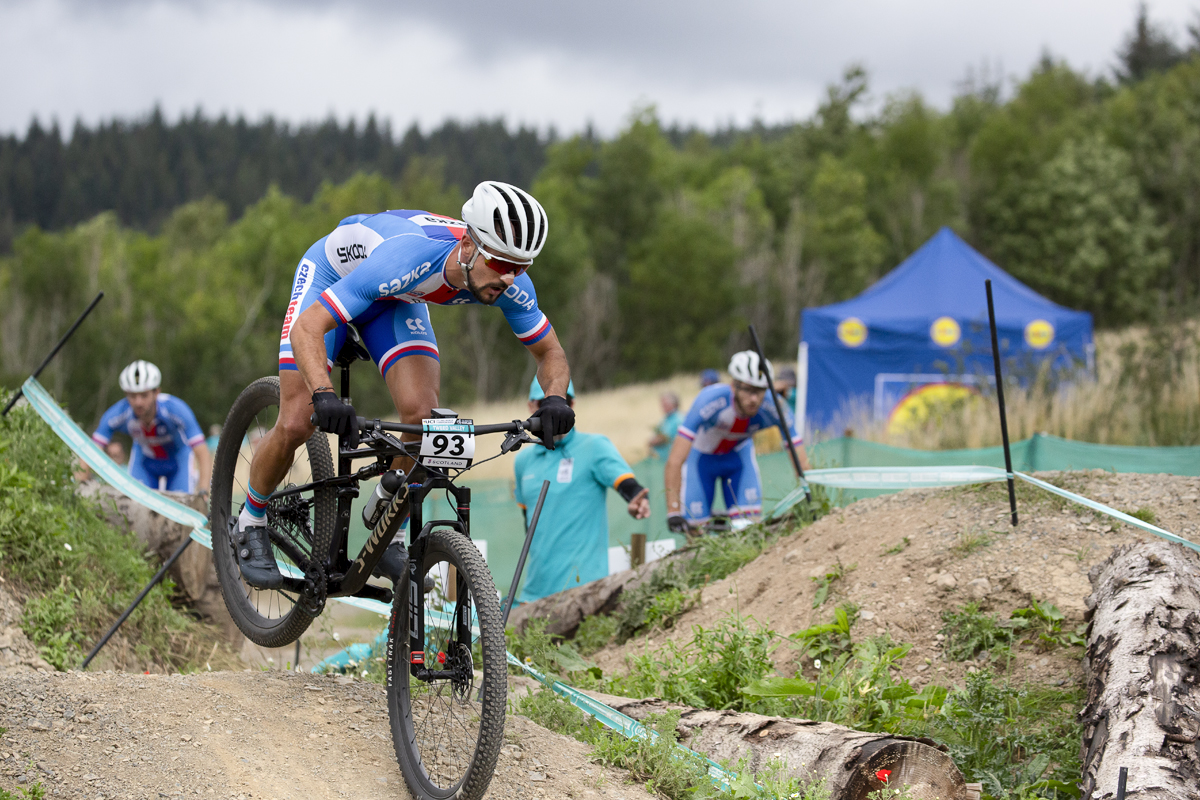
[715, 445]
[379, 272]
[163, 429]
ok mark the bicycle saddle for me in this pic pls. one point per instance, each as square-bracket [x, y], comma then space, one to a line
[352, 350]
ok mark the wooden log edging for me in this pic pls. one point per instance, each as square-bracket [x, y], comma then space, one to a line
[564, 611]
[847, 759]
[1142, 666]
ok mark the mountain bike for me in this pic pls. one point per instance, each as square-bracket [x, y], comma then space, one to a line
[446, 669]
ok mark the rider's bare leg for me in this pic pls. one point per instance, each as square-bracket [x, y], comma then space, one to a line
[273, 457]
[414, 383]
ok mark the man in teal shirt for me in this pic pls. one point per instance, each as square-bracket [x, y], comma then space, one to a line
[570, 546]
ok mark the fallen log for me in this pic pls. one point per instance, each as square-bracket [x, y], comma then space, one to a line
[1142, 666]
[849, 761]
[564, 611]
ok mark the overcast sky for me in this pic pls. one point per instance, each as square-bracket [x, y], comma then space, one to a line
[540, 62]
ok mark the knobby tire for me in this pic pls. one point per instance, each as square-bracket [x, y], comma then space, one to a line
[448, 734]
[269, 618]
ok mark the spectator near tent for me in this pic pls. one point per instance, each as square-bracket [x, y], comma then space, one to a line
[570, 545]
[164, 431]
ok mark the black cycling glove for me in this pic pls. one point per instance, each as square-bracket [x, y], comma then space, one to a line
[557, 418]
[676, 523]
[331, 415]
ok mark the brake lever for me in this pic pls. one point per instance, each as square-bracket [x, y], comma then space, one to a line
[513, 441]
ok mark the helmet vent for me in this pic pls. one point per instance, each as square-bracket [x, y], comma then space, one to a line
[498, 223]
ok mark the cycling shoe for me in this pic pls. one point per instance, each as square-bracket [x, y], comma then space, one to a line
[255, 558]
[393, 563]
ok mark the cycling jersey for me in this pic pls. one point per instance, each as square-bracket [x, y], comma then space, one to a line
[160, 452]
[379, 271]
[723, 452]
[713, 426]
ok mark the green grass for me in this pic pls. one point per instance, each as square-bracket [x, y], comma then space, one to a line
[595, 633]
[708, 671]
[898, 547]
[969, 631]
[825, 583]
[76, 571]
[1145, 514]
[970, 541]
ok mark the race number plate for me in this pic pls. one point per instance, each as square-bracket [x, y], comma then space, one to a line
[447, 442]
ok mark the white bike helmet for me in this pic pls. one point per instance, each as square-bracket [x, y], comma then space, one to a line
[744, 367]
[140, 376]
[508, 220]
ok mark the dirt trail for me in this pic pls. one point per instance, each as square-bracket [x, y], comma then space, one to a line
[245, 735]
[960, 548]
[282, 735]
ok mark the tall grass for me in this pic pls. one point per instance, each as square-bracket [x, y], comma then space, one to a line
[1146, 391]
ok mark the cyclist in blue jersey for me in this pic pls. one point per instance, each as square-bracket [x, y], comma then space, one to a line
[379, 272]
[715, 444]
[163, 429]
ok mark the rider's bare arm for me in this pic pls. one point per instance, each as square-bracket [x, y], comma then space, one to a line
[308, 345]
[553, 372]
[203, 466]
[673, 471]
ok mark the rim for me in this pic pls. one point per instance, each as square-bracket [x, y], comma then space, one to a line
[444, 715]
[290, 519]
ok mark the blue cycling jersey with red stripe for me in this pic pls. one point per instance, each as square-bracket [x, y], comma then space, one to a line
[401, 257]
[715, 428]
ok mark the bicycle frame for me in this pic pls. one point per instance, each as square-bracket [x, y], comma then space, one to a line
[349, 578]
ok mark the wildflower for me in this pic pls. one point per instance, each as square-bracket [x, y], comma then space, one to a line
[336, 636]
[67, 545]
[364, 673]
[817, 663]
[883, 774]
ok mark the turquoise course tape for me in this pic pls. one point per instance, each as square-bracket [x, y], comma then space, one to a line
[627, 726]
[925, 477]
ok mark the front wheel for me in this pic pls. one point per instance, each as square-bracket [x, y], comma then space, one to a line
[448, 724]
[301, 525]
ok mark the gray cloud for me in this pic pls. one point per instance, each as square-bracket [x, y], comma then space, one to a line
[537, 61]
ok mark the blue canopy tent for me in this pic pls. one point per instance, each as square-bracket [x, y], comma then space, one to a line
[926, 322]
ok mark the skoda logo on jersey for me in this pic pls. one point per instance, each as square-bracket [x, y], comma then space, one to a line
[521, 297]
[352, 252]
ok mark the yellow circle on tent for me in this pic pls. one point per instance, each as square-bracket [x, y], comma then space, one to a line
[945, 331]
[852, 331]
[1039, 334]
[928, 404]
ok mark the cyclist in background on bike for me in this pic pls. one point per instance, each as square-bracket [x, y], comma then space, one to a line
[379, 271]
[164, 431]
[715, 445]
[570, 545]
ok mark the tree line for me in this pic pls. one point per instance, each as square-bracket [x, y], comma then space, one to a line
[664, 242]
[144, 169]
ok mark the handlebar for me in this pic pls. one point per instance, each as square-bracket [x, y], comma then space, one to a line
[533, 425]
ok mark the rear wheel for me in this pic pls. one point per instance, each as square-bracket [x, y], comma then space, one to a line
[302, 525]
[448, 728]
